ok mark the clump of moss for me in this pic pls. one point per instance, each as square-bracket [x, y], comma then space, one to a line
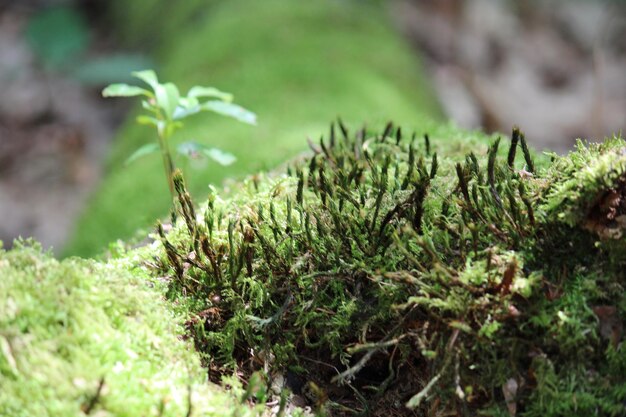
[84, 338]
[386, 273]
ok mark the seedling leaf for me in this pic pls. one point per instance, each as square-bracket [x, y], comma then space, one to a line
[147, 76]
[220, 156]
[124, 90]
[144, 150]
[231, 110]
[166, 107]
[195, 150]
[191, 150]
[181, 111]
[199, 91]
[167, 98]
[188, 102]
[147, 120]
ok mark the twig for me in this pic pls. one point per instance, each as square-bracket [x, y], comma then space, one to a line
[189, 405]
[350, 372]
[94, 400]
[375, 345]
[417, 399]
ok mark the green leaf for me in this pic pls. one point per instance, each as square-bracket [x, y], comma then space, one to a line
[147, 76]
[147, 105]
[147, 120]
[167, 98]
[488, 329]
[461, 326]
[195, 150]
[181, 112]
[258, 322]
[198, 91]
[220, 156]
[191, 150]
[187, 107]
[124, 90]
[188, 102]
[142, 151]
[231, 110]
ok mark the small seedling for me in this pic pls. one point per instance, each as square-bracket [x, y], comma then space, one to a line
[166, 109]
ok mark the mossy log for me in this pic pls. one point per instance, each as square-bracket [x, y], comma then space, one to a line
[385, 273]
[400, 274]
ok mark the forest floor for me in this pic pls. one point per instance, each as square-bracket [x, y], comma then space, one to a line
[555, 69]
[54, 136]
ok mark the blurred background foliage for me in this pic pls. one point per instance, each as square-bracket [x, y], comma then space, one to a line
[555, 67]
[297, 65]
[60, 37]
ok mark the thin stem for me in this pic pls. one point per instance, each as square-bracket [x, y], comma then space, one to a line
[168, 163]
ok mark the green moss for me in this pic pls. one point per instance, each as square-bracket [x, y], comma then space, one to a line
[409, 270]
[294, 63]
[80, 337]
[384, 273]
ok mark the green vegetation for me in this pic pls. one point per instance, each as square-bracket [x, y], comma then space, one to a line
[417, 271]
[448, 273]
[297, 64]
[166, 109]
[60, 38]
[390, 271]
[57, 36]
[79, 337]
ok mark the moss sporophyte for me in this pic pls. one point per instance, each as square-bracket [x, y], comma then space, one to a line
[425, 280]
[375, 278]
[166, 109]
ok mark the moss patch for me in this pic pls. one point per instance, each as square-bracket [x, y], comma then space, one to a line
[389, 272]
[83, 338]
[385, 273]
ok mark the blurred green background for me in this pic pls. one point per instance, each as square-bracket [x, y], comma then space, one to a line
[298, 65]
[554, 67]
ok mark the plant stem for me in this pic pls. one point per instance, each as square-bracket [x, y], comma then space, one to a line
[168, 163]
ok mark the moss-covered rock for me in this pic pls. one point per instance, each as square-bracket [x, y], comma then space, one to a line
[295, 63]
[389, 272]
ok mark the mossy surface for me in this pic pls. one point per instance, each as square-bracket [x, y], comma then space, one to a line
[387, 273]
[296, 64]
[84, 338]
[384, 274]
